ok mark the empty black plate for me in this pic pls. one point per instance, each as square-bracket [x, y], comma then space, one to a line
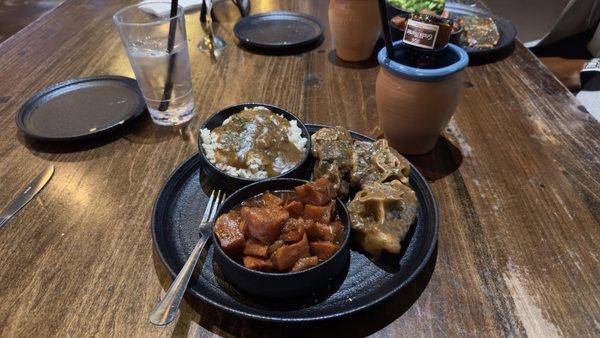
[361, 284]
[278, 30]
[80, 108]
[507, 31]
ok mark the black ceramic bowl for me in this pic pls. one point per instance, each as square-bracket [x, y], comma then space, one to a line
[230, 183]
[280, 285]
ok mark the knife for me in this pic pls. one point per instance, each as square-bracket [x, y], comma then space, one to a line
[26, 195]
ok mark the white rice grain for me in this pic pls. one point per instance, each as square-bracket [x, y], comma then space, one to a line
[255, 168]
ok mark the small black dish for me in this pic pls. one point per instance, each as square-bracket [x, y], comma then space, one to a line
[278, 31]
[81, 108]
[280, 285]
[229, 183]
[507, 31]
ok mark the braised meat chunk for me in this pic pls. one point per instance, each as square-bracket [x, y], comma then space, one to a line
[321, 214]
[333, 149]
[264, 224]
[377, 162]
[381, 215]
[286, 256]
[479, 32]
[331, 171]
[333, 144]
[305, 263]
[259, 264]
[292, 231]
[229, 235]
[255, 248]
[323, 250]
[320, 192]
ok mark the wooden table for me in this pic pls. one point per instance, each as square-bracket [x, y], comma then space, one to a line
[516, 176]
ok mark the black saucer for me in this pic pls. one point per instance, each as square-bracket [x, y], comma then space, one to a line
[507, 32]
[81, 108]
[278, 31]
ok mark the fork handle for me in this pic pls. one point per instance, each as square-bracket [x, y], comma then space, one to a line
[165, 311]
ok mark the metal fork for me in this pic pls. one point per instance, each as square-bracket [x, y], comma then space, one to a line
[165, 311]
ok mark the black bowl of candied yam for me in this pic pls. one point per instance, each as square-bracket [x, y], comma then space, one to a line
[282, 237]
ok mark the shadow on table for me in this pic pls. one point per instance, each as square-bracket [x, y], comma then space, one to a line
[368, 63]
[441, 161]
[371, 62]
[194, 313]
[152, 133]
[282, 52]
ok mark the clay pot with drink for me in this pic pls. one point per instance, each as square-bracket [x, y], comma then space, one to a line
[418, 89]
[355, 27]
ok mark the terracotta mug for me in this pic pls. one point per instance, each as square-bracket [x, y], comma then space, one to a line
[415, 104]
[355, 27]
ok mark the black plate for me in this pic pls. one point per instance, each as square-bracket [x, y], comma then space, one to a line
[361, 285]
[81, 108]
[507, 31]
[278, 30]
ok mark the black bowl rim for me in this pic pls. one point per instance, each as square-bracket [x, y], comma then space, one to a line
[342, 248]
[301, 125]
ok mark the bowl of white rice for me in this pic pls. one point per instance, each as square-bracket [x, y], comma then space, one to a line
[250, 142]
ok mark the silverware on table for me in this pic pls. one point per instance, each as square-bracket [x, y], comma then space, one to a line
[26, 195]
[210, 42]
[165, 311]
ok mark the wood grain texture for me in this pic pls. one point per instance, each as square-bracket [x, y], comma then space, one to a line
[516, 176]
[16, 14]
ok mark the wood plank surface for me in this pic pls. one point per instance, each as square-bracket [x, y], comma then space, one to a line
[516, 176]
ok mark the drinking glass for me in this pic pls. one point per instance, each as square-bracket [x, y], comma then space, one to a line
[158, 52]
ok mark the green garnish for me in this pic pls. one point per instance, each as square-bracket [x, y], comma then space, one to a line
[436, 6]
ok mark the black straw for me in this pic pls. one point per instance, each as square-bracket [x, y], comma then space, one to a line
[385, 25]
[164, 103]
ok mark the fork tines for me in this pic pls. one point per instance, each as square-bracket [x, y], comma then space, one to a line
[213, 204]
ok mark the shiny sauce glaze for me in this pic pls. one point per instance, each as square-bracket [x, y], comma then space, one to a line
[284, 231]
[257, 133]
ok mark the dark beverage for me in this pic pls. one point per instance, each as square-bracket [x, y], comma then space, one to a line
[425, 36]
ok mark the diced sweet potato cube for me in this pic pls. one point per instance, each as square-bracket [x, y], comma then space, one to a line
[288, 255]
[292, 231]
[319, 192]
[273, 247]
[310, 227]
[305, 263]
[323, 249]
[338, 230]
[243, 228]
[230, 237]
[259, 264]
[321, 214]
[332, 232]
[255, 248]
[295, 208]
[270, 200]
[264, 224]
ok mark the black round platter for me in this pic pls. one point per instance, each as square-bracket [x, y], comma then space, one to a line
[362, 284]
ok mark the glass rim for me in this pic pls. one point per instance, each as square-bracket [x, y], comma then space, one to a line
[159, 20]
